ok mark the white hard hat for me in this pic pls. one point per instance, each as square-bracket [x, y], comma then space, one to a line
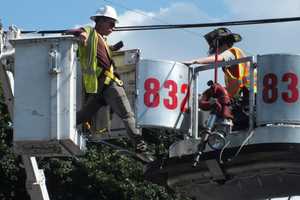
[105, 11]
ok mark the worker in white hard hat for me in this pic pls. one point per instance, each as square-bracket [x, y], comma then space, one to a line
[100, 81]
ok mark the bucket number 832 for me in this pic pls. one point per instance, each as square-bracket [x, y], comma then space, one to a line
[152, 97]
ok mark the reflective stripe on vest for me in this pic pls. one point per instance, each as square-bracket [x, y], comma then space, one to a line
[88, 61]
[111, 69]
[237, 77]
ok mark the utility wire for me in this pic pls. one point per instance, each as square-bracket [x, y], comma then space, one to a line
[182, 26]
[202, 25]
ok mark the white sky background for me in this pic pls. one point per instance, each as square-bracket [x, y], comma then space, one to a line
[185, 44]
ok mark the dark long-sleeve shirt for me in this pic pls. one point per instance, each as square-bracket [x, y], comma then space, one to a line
[102, 55]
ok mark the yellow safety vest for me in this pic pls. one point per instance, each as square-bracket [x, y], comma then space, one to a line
[89, 63]
[237, 77]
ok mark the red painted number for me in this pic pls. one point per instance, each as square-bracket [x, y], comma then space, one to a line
[270, 90]
[172, 102]
[151, 96]
[184, 90]
[293, 94]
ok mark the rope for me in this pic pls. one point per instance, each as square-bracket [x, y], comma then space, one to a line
[216, 61]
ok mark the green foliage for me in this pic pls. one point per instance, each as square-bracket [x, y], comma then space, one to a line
[101, 174]
[12, 182]
[161, 139]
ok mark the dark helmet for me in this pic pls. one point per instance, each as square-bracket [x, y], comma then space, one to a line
[222, 35]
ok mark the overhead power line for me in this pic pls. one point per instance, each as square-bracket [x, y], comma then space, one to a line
[202, 25]
[183, 26]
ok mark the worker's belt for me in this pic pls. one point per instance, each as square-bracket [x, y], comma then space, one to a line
[110, 76]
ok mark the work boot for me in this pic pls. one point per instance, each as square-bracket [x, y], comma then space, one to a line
[141, 146]
[142, 151]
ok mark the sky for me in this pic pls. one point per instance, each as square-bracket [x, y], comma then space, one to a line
[176, 45]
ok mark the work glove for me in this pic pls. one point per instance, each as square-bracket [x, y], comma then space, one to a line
[215, 105]
[213, 101]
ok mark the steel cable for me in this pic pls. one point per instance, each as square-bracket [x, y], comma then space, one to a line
[183, 26]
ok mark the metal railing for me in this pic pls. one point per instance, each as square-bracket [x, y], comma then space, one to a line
[195, 74]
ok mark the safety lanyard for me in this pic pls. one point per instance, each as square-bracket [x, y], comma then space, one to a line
[216, 61]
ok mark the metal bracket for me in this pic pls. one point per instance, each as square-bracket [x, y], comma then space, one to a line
[131, 57]
[35, 181]
[53, 60]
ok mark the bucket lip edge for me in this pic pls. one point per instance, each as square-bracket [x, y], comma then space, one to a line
[277, 54]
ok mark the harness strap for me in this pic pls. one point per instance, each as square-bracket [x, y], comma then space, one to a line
[110, 76]
[109, 73]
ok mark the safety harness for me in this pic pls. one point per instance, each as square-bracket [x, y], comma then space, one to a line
[89, 63]
[110, 73]
[236, 80]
